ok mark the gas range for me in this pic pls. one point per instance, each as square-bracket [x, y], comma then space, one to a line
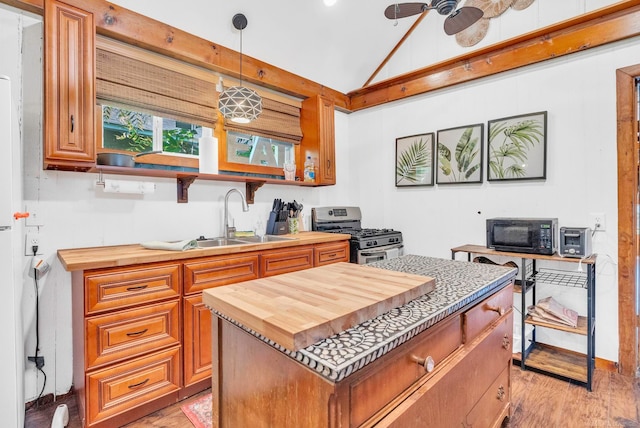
[366, 245]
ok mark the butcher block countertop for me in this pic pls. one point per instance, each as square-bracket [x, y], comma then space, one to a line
[299, 308]
[457, 285]
[124, 255]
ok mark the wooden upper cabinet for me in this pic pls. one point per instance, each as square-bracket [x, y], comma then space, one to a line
[318, 140]
[69, 64]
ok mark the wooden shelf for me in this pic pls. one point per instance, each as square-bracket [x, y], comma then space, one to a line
[555, 361]
[580, 329]
[559, 362]
[186, 178]
[480, 249]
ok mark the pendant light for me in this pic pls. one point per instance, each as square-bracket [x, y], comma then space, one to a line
[237, 103]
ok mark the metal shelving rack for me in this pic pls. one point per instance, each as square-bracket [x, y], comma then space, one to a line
[534, 356]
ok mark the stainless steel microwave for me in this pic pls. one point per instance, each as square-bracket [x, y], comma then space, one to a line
[523, 235]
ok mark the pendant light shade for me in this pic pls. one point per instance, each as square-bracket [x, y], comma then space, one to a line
[240, 104]
[237, 103]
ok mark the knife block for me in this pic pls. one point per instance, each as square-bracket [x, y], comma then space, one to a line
[276, 227]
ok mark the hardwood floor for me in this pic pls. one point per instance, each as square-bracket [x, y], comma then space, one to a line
[537, 401]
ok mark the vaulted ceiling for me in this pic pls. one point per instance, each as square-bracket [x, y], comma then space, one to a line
[342, 46]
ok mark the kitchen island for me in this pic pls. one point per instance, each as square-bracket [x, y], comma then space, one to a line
[439, 360]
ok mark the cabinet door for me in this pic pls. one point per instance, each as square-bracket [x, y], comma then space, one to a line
[197, 340]
[317, 123]
[69, 53]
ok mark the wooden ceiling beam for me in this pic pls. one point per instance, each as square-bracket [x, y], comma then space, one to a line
[610, 24]
[133, 28]
[606, 25]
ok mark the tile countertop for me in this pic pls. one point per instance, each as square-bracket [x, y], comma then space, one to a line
[458, 283]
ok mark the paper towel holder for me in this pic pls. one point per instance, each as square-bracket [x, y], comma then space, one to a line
[124, 186]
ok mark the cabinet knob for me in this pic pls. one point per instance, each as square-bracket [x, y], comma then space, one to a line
[498, 309]
[428, 363]
[72, 123]
[506, 341]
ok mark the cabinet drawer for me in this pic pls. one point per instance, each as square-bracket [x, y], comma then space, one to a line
[121, 288]
[283, 261]
[481, 316]
[494, 402]
[462, 381]
[217, 271]
[382, 385]
[325, 254]
[125, 386]
[130, 333]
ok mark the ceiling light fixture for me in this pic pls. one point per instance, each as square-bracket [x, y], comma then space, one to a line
[237, 103]
[330, 2]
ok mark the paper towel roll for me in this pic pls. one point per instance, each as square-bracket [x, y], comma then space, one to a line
[208, 152]
[134, 187]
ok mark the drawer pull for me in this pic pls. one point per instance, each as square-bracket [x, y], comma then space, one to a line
[428, 363]
[501, 393]
[498, 309]
[506, 342]
[139, 287]
[139, 384]
[137, 333]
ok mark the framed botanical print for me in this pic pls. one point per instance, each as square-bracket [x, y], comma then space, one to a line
[517, 148]
[460, 154]
[414, 160]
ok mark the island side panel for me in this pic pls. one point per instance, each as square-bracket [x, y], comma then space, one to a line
[255, 385]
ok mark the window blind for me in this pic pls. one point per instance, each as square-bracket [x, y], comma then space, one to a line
[278, 120]
[131, 77]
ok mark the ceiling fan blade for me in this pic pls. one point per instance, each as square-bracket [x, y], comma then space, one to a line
[403, 10]
[461, 19]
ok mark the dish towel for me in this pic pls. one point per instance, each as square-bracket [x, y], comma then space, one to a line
[187, 244]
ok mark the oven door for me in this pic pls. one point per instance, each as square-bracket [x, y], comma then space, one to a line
[371, 255]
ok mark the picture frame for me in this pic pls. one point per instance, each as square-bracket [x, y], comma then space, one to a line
[460, 154]
[517, 147]
[414, 160]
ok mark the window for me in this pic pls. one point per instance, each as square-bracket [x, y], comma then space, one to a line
[257, 150]
[136, 131]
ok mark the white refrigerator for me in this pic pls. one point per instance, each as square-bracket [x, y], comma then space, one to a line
[11, 350]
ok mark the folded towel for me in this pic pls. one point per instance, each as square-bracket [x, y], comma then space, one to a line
[187, 244]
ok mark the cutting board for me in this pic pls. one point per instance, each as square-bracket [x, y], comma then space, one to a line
[300, 308]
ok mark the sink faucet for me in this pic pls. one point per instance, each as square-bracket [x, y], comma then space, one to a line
[230, 231]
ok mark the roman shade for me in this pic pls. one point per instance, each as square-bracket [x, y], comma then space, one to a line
[134, 78]
[278, 120]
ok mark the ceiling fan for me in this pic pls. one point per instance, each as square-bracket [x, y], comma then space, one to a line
[456, 21]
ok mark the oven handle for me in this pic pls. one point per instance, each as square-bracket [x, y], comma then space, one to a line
[381, 250]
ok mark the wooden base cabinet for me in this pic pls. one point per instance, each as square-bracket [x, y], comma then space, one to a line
[142, 335]
[469, 384]
[127, 342]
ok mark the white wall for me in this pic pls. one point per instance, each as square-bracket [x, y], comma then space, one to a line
[578, 92]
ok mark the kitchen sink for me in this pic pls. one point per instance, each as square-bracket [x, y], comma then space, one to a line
[264, 238]
[219, 242]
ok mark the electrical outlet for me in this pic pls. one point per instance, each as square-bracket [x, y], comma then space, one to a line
[32, 239]
[597, 221]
